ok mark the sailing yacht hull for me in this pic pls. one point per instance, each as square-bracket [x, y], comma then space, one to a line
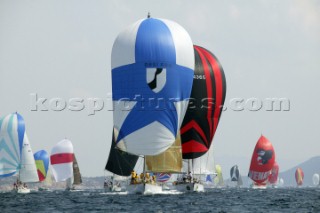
[254, 186]
[22, 190]
[198, 187]
[144, 189]
[152, 189]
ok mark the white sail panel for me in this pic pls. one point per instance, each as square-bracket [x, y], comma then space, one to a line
[204, 164]
[28, 169]
[61, 160]
[143, 141]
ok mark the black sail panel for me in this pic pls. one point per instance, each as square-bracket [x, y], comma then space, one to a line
[120, 162]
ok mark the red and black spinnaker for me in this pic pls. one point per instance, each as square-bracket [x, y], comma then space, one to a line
[262, 161]
[205, 105]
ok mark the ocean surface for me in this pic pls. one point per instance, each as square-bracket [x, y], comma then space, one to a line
[213, 200]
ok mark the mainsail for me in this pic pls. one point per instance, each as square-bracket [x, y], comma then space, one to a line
[119, 162]
[42, 162]
[205, 106]
[262, 161]
[62, 160]
[15, 150]
[77, 179]
[152, 71]
[204, 165]
[170, 161]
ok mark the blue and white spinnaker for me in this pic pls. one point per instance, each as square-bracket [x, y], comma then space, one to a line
[152, 73]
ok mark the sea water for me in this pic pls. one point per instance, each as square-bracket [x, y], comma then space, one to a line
[213, 200]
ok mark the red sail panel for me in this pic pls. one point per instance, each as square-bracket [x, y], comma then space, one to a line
[299, 176]
[205, 105]
[274, 173]
[61, 158]
[262, 160]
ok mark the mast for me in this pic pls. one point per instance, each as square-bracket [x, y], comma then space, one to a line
[144, 170]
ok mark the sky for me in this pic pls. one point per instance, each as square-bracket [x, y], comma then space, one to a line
[62, 49]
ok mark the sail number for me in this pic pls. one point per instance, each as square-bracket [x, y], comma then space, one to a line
[199, 77]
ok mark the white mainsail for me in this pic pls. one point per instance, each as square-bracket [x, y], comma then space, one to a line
[28, 169]
[204, 165]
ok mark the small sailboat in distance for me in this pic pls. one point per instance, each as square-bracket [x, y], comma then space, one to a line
[64, 164]
[262, 161]
[316, 179]
[219, 182]
[235, 175]
[299, 175]
[16, 153]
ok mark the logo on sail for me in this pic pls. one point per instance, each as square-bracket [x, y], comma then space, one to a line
[264, 156]
[156, 78]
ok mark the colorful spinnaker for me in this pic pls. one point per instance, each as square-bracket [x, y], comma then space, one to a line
[152, 72]
[262, 161]
[299, 175]
[273, 177]
[205, 106]
[15, 150]
[42, 162]
[61, 159]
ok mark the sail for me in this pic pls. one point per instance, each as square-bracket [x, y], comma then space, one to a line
[262, 161]
[273, 178]
[48, 181]
[219, 178]
[77, 179]
[316, 179]
[28, 169]
[152, 72]
[299, 175]
[234, 173]
[205, 106]
[12, 132]
[119, 162]
[204, 164]
[61, 159]
[42, 162]
[169, 161]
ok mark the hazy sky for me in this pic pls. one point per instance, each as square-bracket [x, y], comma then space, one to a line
[62, 49]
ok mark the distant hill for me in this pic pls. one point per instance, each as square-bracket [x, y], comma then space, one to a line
[309, 167]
